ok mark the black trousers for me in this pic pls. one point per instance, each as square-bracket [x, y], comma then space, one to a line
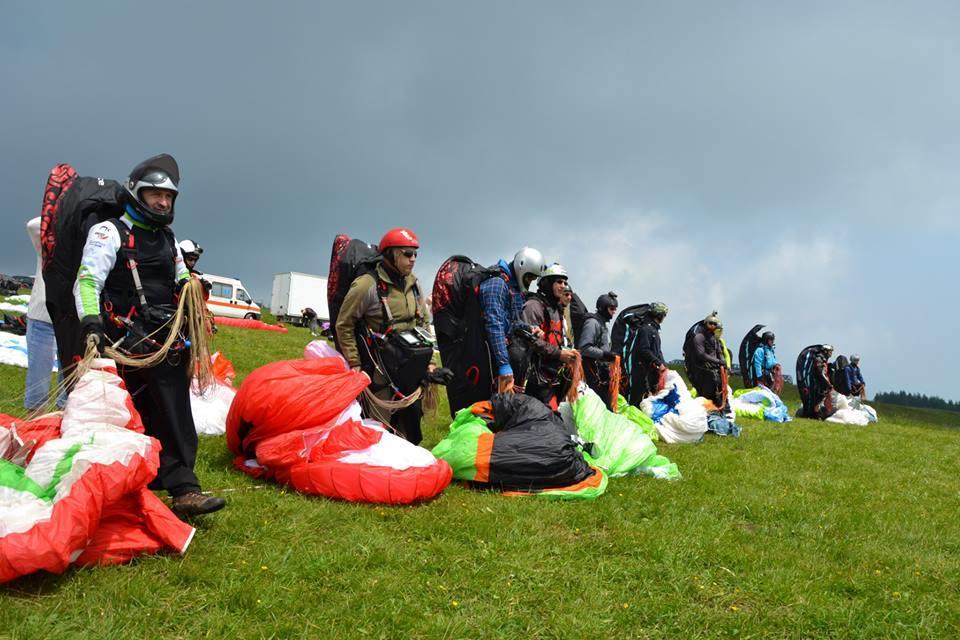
[643, 382]
[407, 422]
[162, 396]
[707, 382]
[596, 373]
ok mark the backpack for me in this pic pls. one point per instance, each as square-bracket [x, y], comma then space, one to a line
[688, 349]
[624, 332]
[748, 347]
[349, 259]
[458, 322]
[578, 316]
[838, 374]
[71, 205]
[623, 342]
[809, 383]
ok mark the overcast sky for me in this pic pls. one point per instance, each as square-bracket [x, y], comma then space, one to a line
[795, 164]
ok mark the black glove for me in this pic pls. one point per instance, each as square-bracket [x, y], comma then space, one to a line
[609, 356]
[442, 376]
[92, 326]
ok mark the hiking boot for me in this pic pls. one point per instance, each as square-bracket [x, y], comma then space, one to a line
[195, 504]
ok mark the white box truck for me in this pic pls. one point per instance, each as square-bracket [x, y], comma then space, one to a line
[293, 291]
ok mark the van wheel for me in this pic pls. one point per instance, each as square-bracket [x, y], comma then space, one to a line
[252, 316]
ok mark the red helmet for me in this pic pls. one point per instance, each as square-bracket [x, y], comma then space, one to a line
[399, 238]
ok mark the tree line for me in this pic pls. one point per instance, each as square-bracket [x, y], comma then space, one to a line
[922, 401]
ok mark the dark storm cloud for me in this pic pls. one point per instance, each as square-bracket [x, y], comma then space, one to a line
[797, 163]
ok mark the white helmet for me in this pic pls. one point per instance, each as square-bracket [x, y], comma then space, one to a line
[190, 247]
[555, 270]
[528, 261]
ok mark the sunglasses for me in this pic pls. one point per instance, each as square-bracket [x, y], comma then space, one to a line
[408, 253]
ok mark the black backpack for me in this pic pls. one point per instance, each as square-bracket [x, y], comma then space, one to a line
[71, 206]
[349, 259]
[624, 332]
[578, 316]
[748, 347]
[688, 345]
[458, 322]
[838, 375]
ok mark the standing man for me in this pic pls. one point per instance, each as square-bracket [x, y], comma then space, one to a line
[107, 285]
[708, 360]
[765, 359]
[386, 306]
[501, 301]
[855, 382]
[548, 377]
[649, 363]
[41, 340]
[594, 346]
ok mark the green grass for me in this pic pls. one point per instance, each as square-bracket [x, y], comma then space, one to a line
[801, 530]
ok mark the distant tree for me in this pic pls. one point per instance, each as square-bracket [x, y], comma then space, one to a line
[922, 401]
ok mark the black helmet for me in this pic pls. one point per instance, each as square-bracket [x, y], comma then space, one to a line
[767, 336]
[607, 300]
[158, 172]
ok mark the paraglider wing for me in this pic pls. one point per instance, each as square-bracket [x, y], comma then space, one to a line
[289, 395]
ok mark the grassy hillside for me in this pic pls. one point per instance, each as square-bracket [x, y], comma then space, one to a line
[798, 530]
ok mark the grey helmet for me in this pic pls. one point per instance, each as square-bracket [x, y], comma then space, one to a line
[528, 261]
[607, 300]
[158, 172]
[855, 358]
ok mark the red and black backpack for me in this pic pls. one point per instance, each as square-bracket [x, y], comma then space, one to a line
[458, 322]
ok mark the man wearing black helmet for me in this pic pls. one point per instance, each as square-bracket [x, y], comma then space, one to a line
[646, 363]
[765, 359]
[132, 267]
[594, 346]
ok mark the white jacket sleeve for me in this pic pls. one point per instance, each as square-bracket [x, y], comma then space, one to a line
[99, 258]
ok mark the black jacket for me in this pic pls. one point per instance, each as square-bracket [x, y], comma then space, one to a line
[648, 344]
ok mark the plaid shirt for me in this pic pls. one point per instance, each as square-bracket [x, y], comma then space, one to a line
[501, 302]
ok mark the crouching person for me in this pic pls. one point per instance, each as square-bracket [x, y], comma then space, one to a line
[382, 330]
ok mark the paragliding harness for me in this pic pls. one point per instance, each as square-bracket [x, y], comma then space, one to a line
[748, 347]
[548, 374]
[400, 356]
[458, 320]
[395, 355]
[143, 320]
[815, 397]
[838, 375]
[578, 316]
[623, 341]
[71, 205]
[698, 371]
